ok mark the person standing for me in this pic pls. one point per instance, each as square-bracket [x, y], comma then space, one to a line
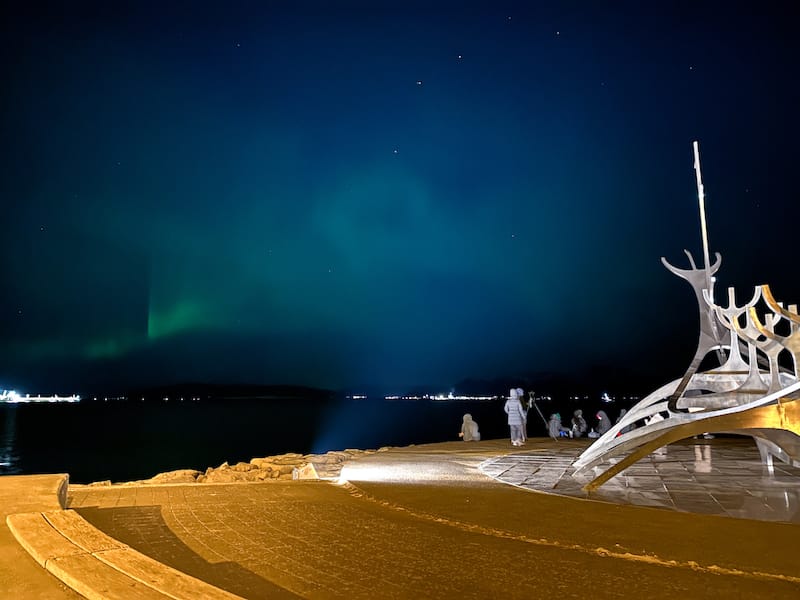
[525, 408]
[516, 417]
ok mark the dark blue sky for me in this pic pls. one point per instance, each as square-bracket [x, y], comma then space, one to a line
[382, 193]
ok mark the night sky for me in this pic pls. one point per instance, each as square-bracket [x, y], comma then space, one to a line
[386, 194]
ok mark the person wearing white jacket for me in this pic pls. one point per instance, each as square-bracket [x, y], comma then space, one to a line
[525, 407]
[469, 430]
[516, 418]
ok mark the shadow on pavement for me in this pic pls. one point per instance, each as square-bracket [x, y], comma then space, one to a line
[143, 528]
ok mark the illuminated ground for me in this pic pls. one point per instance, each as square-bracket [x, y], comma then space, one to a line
[20, 576]
[426, 522]
[716, 477]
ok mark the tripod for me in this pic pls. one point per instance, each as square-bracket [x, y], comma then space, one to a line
[536, 406]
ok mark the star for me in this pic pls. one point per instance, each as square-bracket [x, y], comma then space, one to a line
[459, 57]
[691, 68]
[419, 82]
[395, 151]
[238, 45]
[558, 33]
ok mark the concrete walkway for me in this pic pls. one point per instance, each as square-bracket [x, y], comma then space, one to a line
[426, 521]
[20, 576]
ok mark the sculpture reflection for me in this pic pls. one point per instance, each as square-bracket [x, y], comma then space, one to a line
[702, 459]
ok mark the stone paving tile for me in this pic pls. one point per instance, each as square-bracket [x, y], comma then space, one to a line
[316, 540]
[712, 477]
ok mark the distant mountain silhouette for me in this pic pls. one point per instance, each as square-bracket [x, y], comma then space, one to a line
[591, 383]
[221, 391]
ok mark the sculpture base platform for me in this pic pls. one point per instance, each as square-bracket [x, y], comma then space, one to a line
[721, 476]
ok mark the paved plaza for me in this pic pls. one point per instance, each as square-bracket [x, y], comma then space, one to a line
[716, 477]
[469, 520]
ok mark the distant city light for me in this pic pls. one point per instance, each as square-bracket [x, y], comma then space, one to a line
[14, 397]
[440, 397]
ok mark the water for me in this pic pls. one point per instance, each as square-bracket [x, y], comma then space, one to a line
[127, 440]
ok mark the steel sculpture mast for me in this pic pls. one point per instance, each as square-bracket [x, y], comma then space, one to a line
[701, 196]
[703, 230]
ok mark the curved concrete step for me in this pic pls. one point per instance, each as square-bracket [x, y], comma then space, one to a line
[98, 566]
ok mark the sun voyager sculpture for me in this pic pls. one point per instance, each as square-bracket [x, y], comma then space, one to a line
[758, 396]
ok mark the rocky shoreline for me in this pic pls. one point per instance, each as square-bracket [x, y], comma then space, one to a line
[280, 467]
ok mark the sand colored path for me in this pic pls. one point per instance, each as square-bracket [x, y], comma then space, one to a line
[426, 522]
[20, 575]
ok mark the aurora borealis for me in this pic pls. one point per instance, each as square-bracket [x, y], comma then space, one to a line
[337, 194]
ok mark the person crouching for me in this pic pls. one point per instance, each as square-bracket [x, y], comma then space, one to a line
[469, 430]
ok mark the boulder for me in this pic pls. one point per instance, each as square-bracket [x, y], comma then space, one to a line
[305, 471]
[328, 458]
[229, 476]
[178, 476]
[287, 459]
[243, 467]
[290, 465]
